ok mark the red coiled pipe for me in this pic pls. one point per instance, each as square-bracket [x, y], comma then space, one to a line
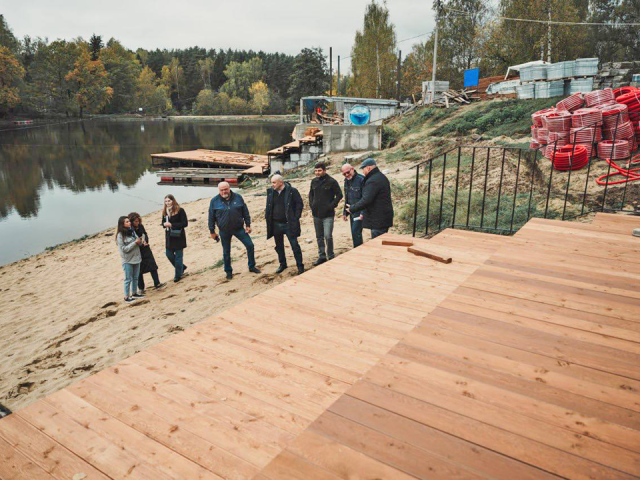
[571, 103]
[599, 97]
[557, 122]
[610, 151]
[586, 117]
[568, 157]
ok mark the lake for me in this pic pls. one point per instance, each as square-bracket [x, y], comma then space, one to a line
[61, 182]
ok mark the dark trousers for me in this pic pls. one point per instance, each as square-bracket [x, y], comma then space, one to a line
[324, 234]
[280, 230]
[356, 231]
[376, 233]
[240, 234]
[154, 276]
[175, 257]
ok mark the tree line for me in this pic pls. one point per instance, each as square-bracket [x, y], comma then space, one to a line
[73, 77]
[77, 76]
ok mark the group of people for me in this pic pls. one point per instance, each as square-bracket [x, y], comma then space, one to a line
[135, 252]
[367, 204]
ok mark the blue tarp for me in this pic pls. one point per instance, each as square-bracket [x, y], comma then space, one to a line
[471, 77]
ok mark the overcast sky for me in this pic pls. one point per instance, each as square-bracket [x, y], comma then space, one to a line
[268, 25]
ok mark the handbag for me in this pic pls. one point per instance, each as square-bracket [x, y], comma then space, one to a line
[175, 233]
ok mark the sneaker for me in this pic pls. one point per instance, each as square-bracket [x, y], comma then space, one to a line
[176, 280]
[137, 295]
[281, 268]
[129, 299]
[229, 275]
[160, 285]
[254, 270]
[636, 232]
[300, 269]
[319, 261]
[141, 292]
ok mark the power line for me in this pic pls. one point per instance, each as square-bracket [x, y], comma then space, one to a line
[553, 22]
[401, 41]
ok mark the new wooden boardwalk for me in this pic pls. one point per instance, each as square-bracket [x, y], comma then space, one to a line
[223, 399]
[530, 369]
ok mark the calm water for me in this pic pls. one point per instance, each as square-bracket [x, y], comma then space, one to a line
[61, 182]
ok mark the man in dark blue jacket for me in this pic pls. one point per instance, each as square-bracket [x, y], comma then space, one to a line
[230, 213]
[352, 193]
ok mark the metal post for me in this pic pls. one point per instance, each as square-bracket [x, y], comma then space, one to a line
[515, 192]
[338, 82]
[426, 230]
[415, 206]
[455, 197]
[566, 192]
[330, 71]
[553, 161]
[613, 149]
[533, 173]
[586, 182]
[473, 161]
[444, 171]
[486, 179]
[504, 152]
[399, 72]
[435, 59]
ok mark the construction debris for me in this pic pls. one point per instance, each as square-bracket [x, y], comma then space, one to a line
[423, 253]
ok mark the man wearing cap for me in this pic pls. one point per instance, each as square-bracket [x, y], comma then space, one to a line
[352, 193]
[230, 213]
[376, 200]
[324, 197]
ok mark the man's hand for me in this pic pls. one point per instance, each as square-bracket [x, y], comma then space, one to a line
[247, 229]
[344, 218]
[214, 236]
[348, 208]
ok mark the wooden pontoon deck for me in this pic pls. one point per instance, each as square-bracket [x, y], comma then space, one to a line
[521, 359]
[246, 163]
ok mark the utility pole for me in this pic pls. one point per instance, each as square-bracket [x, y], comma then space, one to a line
[399, 72]
[549, 36]
[330, 71]
[338, 87]
[435, 60]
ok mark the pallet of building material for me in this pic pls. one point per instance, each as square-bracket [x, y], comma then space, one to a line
[423, 253]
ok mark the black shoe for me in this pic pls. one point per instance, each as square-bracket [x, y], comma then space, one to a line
[319, 261]
[176, 280]
[300, 269]
[229, 275]
[281, 268]
[137, 295]
[254, 270]
[159, 286]
[184, 268]
[129, 299]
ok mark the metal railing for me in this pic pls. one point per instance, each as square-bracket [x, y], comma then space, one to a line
[499, 188]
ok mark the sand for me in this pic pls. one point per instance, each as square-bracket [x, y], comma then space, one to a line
[62, 314]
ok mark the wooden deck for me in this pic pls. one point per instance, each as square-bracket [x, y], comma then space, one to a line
[530, 369]
[223, 399]
[245, 163]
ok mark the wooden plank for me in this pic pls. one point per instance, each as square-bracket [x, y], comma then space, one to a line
[288, 466]
[438, 442]
[112, 460]
[423, 253]
[398, 243]
[145, 448]
[49, 455]
[14, 465]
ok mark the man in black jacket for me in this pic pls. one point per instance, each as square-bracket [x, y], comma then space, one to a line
[375, 201]
[324, 197]
[353, 182]
[231, 214]
[283, 212]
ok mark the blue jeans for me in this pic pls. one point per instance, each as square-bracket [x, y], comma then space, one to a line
[356, 231]
[240, 234]
[324, 233]
[175, 257]
[280, 230]
[131, 274]
[376, 233]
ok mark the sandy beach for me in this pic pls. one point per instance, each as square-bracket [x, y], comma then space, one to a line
[62, 314]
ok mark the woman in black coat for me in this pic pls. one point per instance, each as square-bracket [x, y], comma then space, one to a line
[174, 221]
[148, 264]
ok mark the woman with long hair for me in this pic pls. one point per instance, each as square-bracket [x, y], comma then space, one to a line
[129, 247]
[148, 263]
[174, 221]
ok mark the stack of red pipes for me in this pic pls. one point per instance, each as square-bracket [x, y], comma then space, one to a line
[585, 120]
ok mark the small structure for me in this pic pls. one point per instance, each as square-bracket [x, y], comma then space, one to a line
[208, 166]
[342, 110]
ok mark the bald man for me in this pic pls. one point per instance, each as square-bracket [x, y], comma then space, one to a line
[229, 212]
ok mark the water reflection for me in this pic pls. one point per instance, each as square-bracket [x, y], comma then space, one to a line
[96, 155]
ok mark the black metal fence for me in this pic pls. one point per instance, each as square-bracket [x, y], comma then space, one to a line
[499, 188]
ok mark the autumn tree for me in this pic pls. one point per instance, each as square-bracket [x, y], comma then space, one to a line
[150, 95]
[240, 77]
[95, 45]
[259, 96]
[205, 102]
[615, 43]
[7, 39]
[173, 78]
[123, 70]
[90, 79]
[416, 67]
[373, 57]
[205, 67]
[309, 75]
[11, 72]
